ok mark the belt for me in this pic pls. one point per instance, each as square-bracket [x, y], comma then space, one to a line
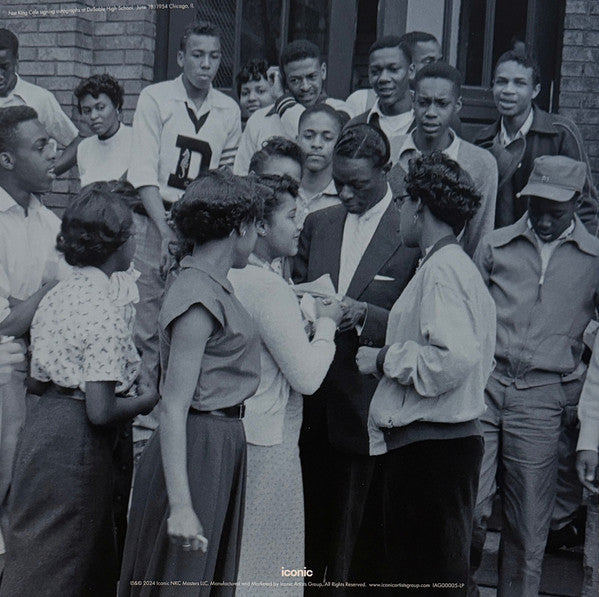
[236, 411]
[138, 207]
[39, 388]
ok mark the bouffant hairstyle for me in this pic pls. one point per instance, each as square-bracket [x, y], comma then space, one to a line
[205, 28]
[523, 59]
[279, 185]
[444, 187]
[95, 225]
[340, 118]
[10, 118]
[97, 84]
[254, 70]
[276, 147]
[216, 204]
[364, 141]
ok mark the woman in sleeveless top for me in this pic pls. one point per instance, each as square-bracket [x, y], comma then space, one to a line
[188, 497]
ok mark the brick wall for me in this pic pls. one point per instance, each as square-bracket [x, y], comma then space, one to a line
[580, 73]
[62, 43]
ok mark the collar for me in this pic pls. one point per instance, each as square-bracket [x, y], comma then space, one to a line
[450, 239]
[256, 261]
[121, 286]
[583, 239]
[7, 202]
[563, 236]
[18, 88]
[542, 122]
[402, 118]
[180, 95]
[191, 261]
[329, 190]
[378, 209]
[450, 152]
[504, 136]
[321, 99]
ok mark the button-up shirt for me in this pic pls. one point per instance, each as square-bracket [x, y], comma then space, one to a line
[28, 255]
[307, 204]
[49, 112]
[357, 234]
[408, 150]
[505, 138]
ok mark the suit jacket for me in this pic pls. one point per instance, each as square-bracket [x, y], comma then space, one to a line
[343, 400]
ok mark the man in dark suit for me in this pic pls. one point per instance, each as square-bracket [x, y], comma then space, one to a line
[358, 244]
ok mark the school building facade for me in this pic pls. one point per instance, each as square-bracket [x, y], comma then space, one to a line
[136, 41]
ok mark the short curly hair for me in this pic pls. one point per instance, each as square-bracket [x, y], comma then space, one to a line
[253, 70]
[215, 204]
[279, 185]
[94, 226]
[279, 147]
[97, 84]
[444, 187]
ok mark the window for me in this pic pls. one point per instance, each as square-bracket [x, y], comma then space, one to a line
[487, 30]
[261, 30]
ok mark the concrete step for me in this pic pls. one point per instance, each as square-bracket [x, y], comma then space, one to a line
[562, 572]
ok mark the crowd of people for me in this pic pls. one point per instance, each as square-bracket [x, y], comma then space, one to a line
[340, 328]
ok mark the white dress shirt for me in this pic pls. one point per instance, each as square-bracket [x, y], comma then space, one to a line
[357, 234]
[28, 255]
[49, 113]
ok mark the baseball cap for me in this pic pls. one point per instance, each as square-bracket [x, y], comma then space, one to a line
[555, 177]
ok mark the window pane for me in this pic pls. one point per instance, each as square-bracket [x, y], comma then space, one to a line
[261, 30]
[221, 13]
[509, 30]
[510, 26]
[472, 40]
[309, 19]
[365, 37]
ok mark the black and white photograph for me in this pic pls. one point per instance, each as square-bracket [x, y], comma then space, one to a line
[299, 298]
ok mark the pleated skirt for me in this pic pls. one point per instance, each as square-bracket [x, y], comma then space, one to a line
[61, 538]
[216, 465]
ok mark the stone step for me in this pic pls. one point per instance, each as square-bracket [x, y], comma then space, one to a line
[562, 572]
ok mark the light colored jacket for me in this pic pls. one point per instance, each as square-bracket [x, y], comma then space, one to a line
[441, 337]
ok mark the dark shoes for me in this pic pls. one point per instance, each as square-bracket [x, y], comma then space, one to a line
[571, 535]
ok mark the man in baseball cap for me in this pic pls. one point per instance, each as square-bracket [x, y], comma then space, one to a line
[543, 274]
